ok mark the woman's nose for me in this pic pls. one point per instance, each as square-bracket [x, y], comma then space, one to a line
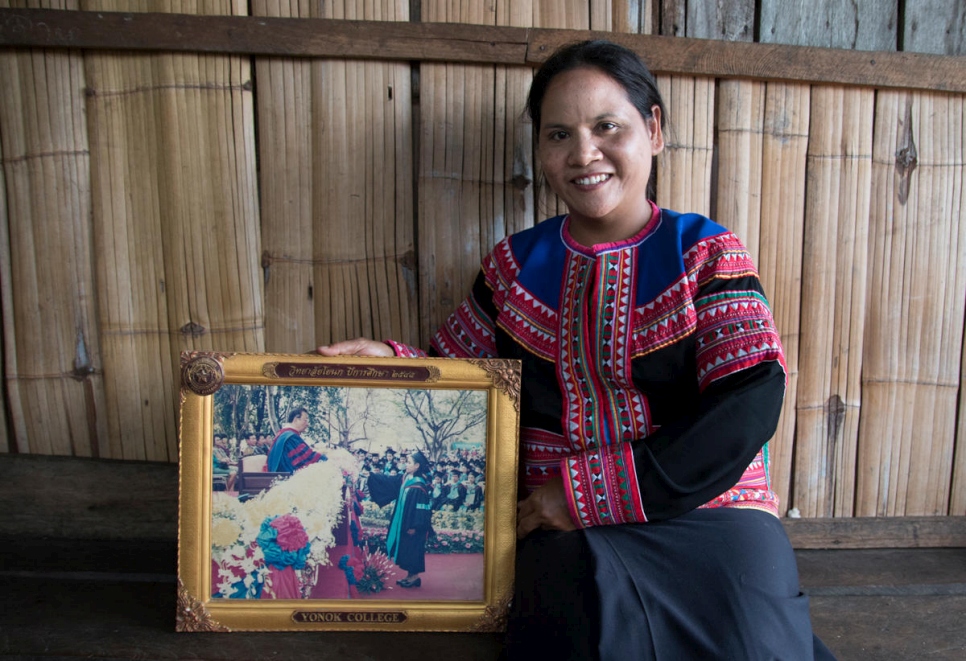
[583, 150]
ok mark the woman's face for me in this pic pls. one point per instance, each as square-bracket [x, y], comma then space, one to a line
[596, 151]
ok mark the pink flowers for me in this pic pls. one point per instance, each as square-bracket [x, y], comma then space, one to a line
[291, 535]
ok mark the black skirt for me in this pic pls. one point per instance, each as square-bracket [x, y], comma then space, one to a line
[711, 584]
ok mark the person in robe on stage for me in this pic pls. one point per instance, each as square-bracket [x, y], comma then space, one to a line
[289, 451]
[411, 521]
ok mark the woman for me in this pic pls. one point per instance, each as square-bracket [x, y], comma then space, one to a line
[653, 376]
[411, 520]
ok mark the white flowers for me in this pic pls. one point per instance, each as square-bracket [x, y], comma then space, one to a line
[315, 494]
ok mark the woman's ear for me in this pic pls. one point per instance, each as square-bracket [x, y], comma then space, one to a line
[653, 124]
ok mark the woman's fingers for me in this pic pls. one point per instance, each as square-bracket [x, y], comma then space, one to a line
[545, 508]
[361, 346]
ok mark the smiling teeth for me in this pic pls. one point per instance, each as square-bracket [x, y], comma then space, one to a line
[595, 179]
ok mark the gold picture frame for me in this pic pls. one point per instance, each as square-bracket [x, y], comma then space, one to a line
[298, 538]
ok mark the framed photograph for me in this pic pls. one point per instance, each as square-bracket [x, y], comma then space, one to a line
[346, 493]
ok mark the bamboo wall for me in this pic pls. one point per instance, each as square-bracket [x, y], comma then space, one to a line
[158, 202]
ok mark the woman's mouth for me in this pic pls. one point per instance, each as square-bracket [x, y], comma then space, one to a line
[591, 179]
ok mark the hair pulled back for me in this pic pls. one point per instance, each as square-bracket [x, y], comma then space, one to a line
[618, 62]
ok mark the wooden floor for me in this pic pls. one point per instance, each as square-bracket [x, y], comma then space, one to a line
[71, 594]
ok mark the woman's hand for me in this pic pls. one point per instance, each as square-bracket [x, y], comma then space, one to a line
[545, 508]
[361, 346]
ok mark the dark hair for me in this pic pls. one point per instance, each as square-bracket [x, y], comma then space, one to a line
[422, 463]
[618, 62]
[296, 413]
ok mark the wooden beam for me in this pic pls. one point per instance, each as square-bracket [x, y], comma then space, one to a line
[439, 42]
[258, 35]
[877, 532]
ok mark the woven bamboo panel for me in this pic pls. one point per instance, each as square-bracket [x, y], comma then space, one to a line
[336, 204]
[740, 117]
[51, 352]
[476, 161]
[780, 247]
[684, 174]
[286, 180]
[911, 374]
[834, 277]
[175, 225]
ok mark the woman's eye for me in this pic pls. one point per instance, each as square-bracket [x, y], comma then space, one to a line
[558, 135]
[608, 126]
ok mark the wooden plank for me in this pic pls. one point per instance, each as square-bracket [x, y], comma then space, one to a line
[866, 25]
[877, 532]
[54, 386]
[780, 249]
[304, 37]
[438, 42]
[838, 570]
[833, 300]
[935, 26]
[792, 64]
[93, 499]
[635, 16]
[730, 21]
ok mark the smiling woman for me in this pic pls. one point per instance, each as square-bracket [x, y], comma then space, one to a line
[653, 377]
[597, 150]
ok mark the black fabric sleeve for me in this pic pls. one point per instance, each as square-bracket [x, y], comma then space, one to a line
[383, 489]
[690, 461]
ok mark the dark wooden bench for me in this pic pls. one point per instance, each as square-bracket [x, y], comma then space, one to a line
[89, 564]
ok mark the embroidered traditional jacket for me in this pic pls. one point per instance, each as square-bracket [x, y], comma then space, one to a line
[653, 375]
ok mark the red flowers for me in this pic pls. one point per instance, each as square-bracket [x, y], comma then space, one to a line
[291, 535]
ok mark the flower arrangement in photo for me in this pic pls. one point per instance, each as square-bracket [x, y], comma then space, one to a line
[283, 541]
[289, 524]
[367, 572]
[239, 566]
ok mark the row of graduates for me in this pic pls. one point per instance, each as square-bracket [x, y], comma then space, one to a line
[453, 491]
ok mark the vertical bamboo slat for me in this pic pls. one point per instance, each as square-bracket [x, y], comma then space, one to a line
[684, 170]
[285, 129]
[51, 353]
[175, 219]
[833, 300]
[911, 374]
[780, 248]
[741, 115]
